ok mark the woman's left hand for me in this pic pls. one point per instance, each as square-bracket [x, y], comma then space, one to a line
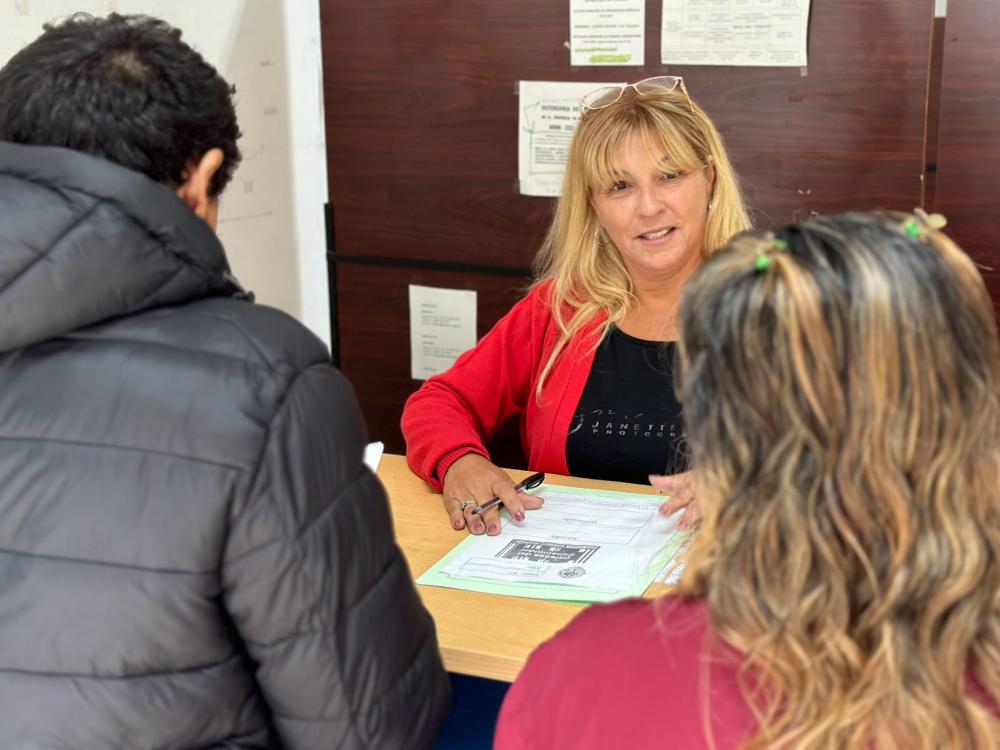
[681, 492]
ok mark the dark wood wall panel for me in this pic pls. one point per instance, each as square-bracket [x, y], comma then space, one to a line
[933, 118]
[374, 316]
[968, 156]
[421, 118]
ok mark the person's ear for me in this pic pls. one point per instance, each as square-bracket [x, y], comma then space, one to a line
[710, 173]
[196, 190]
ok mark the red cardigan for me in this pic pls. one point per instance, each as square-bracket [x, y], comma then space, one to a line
[459, 411]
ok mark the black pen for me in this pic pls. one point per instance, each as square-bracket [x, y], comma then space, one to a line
[525, 484]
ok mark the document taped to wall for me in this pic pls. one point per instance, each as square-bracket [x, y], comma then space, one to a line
[581, 545]
[442, 327]
[735, 32]
[548, 112]
[607, 32]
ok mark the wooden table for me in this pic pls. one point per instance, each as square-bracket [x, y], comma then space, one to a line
[484, 635]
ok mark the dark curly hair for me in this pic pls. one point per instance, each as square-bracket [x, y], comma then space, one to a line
[125, 88]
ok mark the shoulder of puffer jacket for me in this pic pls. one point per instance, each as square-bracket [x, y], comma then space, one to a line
[263, 336]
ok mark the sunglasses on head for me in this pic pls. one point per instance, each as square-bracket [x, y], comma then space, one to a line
[608, 95]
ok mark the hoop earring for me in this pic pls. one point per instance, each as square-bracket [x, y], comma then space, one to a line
[710, 204]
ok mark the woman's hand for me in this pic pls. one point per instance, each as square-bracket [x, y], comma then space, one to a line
[681, 492]
[473, 481]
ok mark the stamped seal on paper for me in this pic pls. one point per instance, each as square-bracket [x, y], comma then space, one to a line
[574, 572]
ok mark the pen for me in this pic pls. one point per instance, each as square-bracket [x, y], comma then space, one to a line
[528, 483]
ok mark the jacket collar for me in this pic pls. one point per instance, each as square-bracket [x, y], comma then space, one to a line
[83, 240]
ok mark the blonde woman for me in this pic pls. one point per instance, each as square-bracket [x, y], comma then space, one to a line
[583, 361]
[841, 391]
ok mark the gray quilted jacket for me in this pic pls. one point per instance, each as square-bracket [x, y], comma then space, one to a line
[192, 554]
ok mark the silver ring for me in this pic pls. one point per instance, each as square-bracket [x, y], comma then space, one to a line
[465, 504]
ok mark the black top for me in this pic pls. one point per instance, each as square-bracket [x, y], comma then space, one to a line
[628, 423]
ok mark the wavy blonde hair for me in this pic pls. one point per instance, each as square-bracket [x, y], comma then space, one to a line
[843, 410]
[588, 276]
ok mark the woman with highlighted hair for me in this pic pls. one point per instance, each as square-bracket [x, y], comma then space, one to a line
[584, 361]
[841, 388]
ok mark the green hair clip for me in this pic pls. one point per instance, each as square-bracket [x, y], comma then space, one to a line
[763, 261]
[917, 226]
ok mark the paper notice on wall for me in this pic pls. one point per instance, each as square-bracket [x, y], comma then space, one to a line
[735, 32]
[442, 326]
[549, 112]
[607, 32]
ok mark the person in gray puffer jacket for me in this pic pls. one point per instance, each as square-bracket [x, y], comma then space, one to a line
[192, 553]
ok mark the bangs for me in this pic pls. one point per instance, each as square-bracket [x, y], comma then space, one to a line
[662, 142]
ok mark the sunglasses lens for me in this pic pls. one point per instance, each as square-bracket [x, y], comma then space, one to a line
[660, 83]
[602, 97]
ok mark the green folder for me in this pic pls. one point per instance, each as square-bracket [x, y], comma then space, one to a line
[675, 543]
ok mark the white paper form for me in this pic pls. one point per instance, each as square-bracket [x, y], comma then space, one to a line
[734, 32]
[607, 32]
[576, 540]
[373, 455]
[675, 567]
[549, 112]
[442, 326]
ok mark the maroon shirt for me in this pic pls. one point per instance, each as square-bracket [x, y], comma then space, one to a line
[633, 675]
[628, 675]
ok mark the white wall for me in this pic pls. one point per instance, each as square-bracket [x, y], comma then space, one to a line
[304, 74]
[271, 218]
